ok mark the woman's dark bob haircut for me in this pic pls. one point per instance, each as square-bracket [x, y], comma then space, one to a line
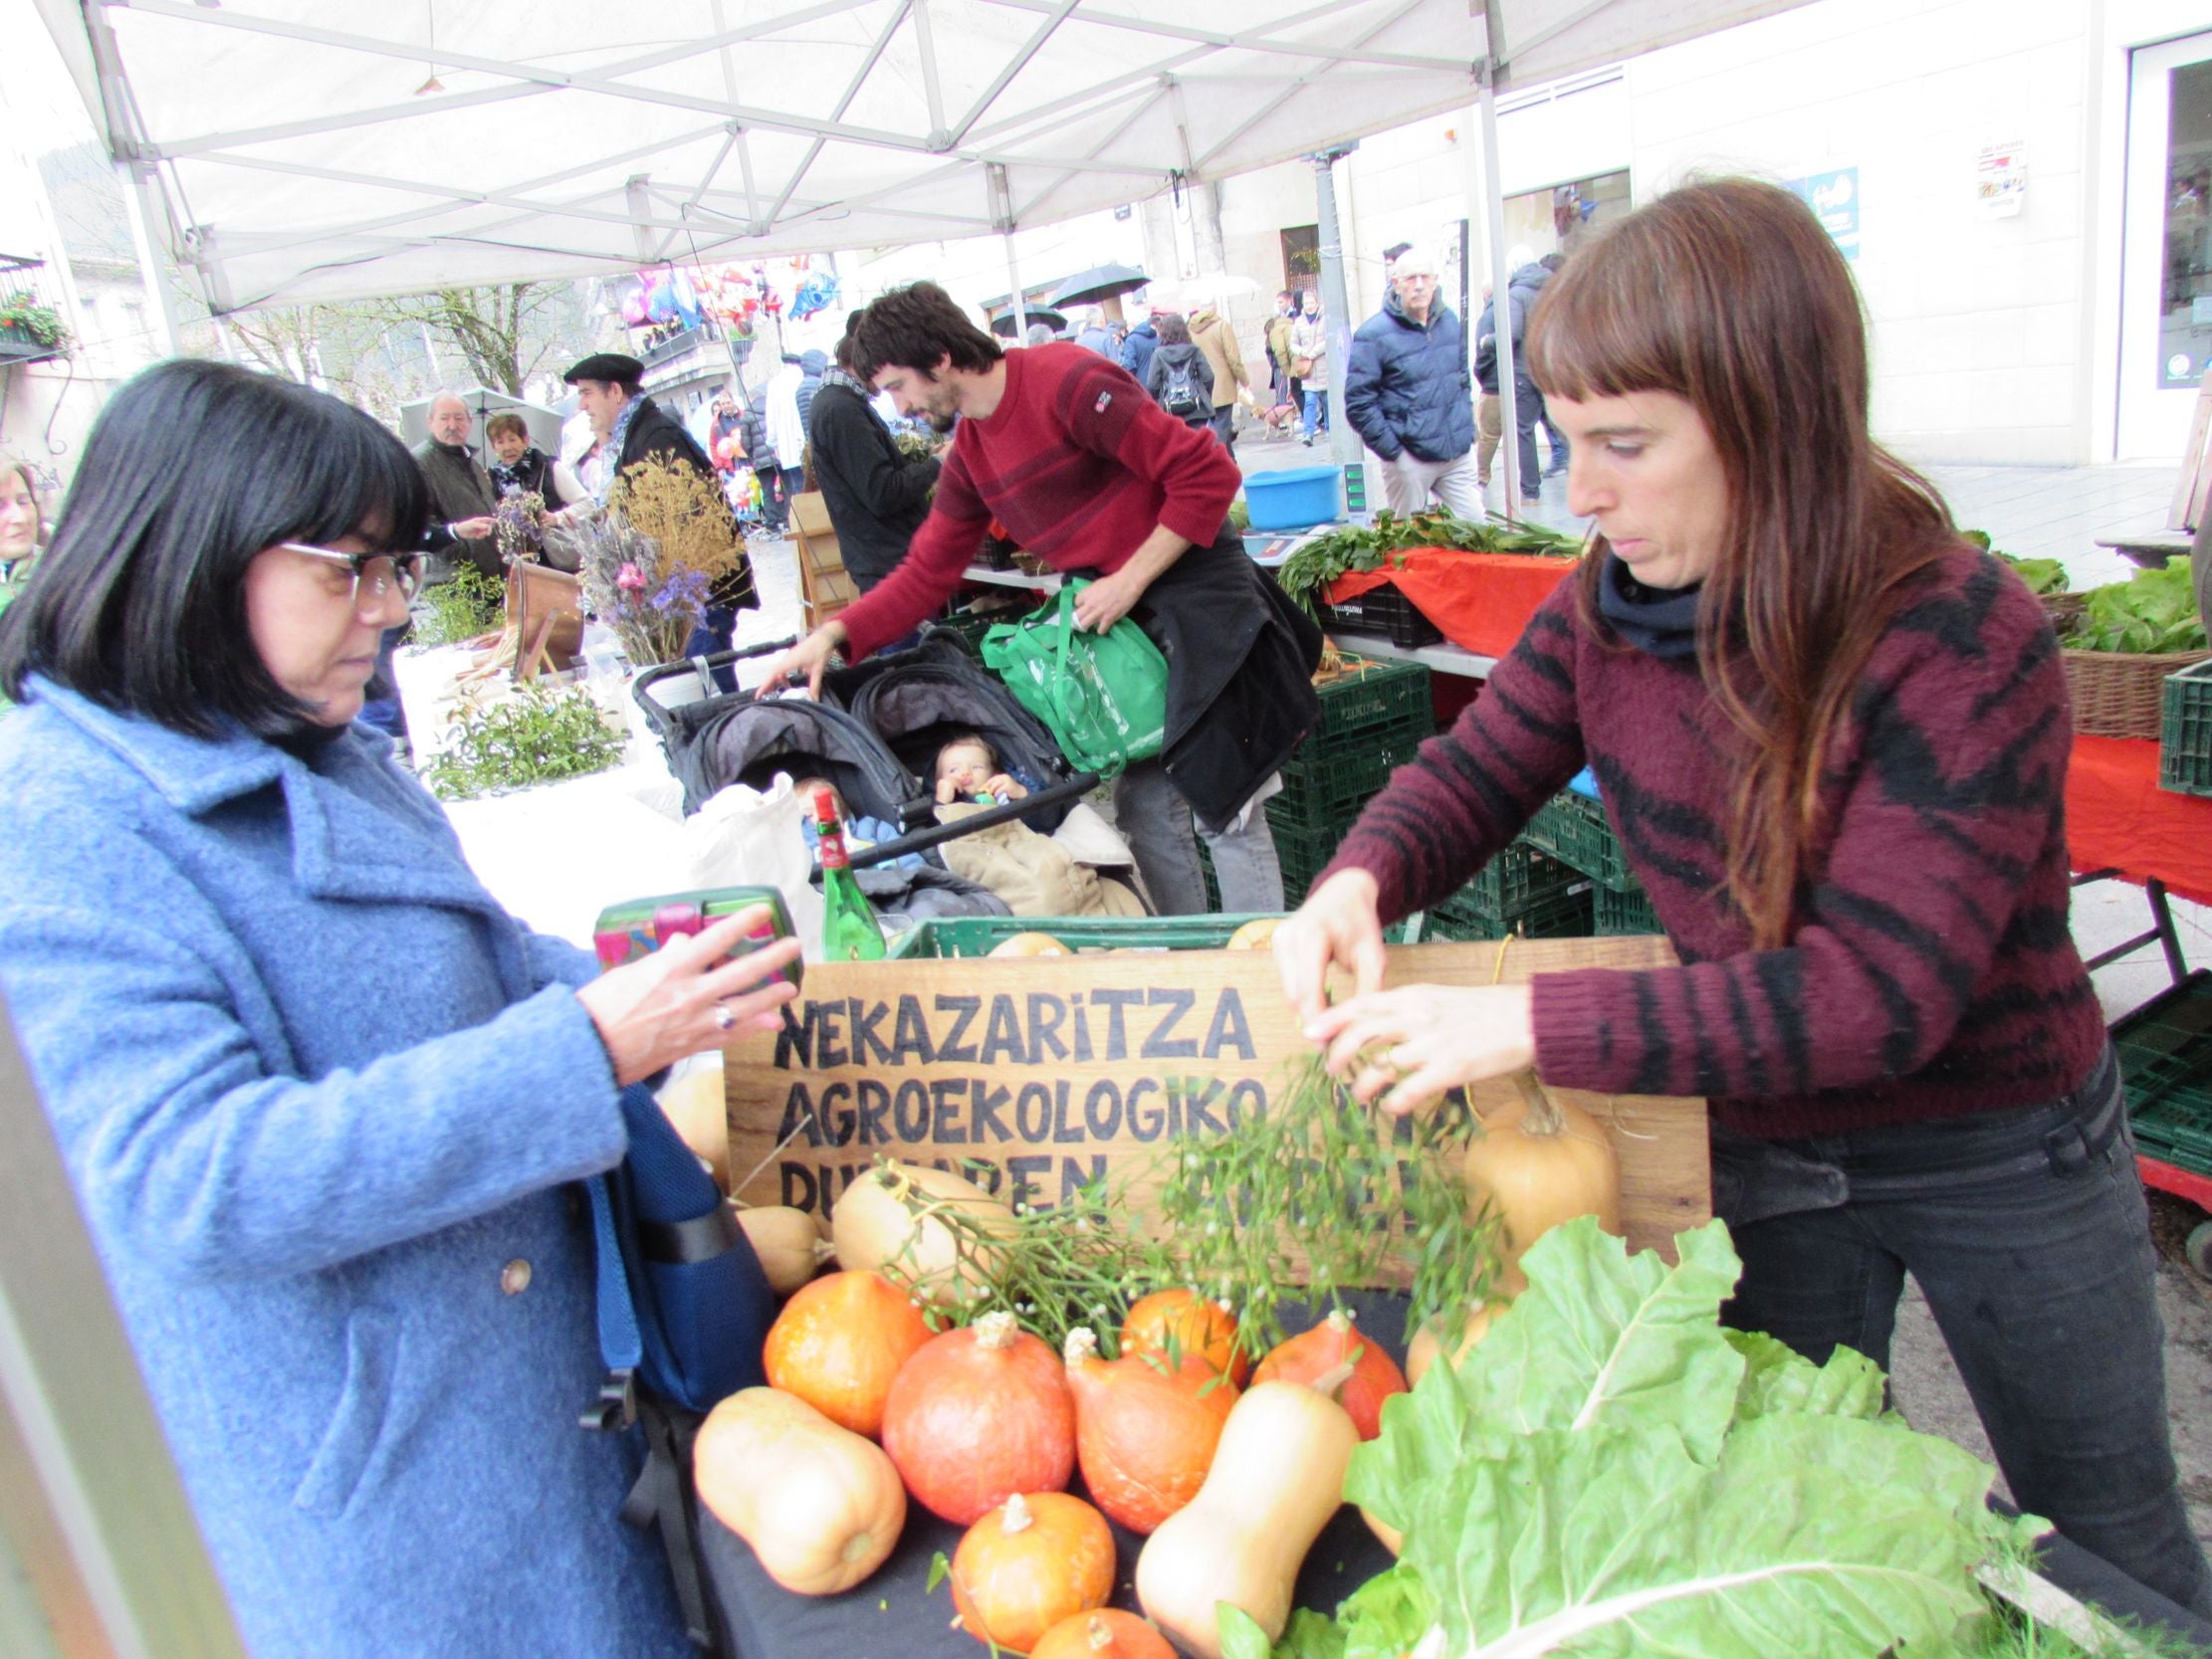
[191, 470]
[918, 326]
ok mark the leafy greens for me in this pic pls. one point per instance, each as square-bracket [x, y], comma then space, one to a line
[1613, 1473]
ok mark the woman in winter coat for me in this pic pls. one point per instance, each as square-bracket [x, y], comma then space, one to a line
[1310, 344]
[1833, 738]
[1179, 379]
[321, 1098]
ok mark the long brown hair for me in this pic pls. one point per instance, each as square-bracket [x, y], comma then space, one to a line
[1730, 295]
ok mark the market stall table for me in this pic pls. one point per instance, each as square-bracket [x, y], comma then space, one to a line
[2120, 825]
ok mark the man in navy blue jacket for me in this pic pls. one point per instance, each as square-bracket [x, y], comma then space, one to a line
[1409, 393]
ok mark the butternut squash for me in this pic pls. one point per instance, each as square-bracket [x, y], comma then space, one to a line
[1542, 1161]
[698, 1104]
[889, 1221]
[790, 1247]
[820, 1506]
[1277, 1478]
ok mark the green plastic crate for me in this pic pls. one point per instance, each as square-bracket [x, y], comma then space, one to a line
[2165, 1060]
[1563, 916]
[1625, 913]
[1326, 783]
[1378, 694]
[1514, 883]
[977, 935]
[2185, 732]
[1573, 829]
[1302, 851]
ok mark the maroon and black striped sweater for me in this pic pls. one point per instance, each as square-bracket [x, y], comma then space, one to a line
[1929, 970]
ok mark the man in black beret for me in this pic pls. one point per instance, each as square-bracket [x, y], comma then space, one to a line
[631, 426]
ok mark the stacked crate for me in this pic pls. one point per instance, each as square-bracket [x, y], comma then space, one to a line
[1373, 717]
[1522, 893]
[1572, 828]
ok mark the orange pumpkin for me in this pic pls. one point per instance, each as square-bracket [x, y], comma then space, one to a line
[1173, 1323]
[839, 1342]
[1105, 1633]
[1144, 1435]
[1029, 1565]
[1313, 1354]
[978, 1415]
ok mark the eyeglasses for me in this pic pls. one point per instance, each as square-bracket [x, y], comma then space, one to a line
[379, 572]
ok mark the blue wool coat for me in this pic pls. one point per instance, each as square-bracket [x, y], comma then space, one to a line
[319, 1096]
[1409, 386]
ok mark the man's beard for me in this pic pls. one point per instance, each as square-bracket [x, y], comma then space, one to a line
[941, 423]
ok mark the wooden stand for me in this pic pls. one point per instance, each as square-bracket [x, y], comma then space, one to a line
[1038, 1073]
[824, 585]
[546, 611]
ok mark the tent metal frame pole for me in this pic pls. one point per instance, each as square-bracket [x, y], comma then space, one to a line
[1336, 302]
[1288, 93]
[1510, 439]
[933, 92]
[111, 1544]
[1014, 66]
[1257, 39]
[844, 102]
[140, 200]
[1002, 216]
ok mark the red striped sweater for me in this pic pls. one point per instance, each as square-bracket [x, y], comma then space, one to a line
[1080, 466]
[1929, 970]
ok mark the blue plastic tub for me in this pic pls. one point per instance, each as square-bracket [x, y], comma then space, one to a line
[1293, 497]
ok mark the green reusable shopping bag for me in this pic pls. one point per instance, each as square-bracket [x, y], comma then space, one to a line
[1103, 697]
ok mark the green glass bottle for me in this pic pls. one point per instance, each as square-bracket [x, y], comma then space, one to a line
[850, 931]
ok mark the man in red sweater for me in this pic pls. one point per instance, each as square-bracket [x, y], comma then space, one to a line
[1066, 450]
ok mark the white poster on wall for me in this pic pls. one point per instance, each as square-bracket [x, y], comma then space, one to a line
[2001, 180]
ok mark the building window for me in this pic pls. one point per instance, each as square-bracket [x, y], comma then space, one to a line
[1561, 217]
[1301, 259]
[2186, 287]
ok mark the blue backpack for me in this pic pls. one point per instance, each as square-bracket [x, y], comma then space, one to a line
[684, 1313]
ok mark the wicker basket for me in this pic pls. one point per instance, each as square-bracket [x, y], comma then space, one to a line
[2120, 693]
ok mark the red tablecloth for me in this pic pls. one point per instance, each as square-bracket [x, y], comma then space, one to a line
[1481, 601]
[2118, 818]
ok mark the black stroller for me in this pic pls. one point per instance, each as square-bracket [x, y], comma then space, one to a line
[743, 737]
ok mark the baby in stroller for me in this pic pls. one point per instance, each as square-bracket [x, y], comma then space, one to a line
[1033, 873]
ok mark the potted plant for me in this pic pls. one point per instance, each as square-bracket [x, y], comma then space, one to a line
[24, 317]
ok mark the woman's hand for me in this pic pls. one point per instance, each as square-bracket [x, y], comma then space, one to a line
[1337, 925]
[806, 658]
[1420, 1041]
[686, 999]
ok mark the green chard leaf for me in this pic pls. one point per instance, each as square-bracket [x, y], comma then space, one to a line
[1777, 1378]
[1386, 1618]
[1601, 1338]
[1823, 1538]
[1240, 1634]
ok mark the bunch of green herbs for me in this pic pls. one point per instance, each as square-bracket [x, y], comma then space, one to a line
[1322, 1195]
[537, 736]
[1057, 1267]
[469, 605]
[1316, 563]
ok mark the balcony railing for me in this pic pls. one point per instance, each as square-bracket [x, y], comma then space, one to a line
[32, 327]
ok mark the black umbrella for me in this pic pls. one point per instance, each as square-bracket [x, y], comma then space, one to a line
[1004, 323]
[1100, 282]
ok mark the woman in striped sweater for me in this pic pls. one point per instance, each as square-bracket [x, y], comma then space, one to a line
[1833, 738]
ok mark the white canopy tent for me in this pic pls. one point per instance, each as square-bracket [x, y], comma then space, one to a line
[287, 150]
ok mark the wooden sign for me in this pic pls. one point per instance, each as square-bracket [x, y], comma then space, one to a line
[1035, 1075]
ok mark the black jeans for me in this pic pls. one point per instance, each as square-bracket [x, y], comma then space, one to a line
[2028, 1233]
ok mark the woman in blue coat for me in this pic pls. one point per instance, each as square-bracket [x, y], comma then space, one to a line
[321, 1098]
